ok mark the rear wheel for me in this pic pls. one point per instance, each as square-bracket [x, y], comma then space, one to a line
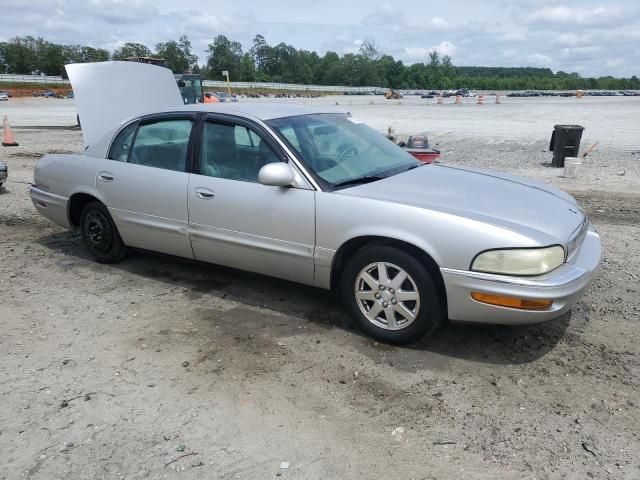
[100, 234]
[391, 295]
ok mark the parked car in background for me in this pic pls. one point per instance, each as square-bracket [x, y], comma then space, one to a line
[4, 172]
[225, 97]
[3, 97]
[313, 197]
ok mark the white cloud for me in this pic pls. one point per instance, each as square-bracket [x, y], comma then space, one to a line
[353, 48]
[445, 48]
[512, 37]
[420, 54]
[549, 33]
[615, 62]
[577, 16]
[580, 53]
[382, 15]
[567, 39]
[122, 11]
[538, 60]
[439, 23]
[415, 54]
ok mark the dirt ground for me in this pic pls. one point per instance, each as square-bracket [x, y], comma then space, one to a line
[163, 368]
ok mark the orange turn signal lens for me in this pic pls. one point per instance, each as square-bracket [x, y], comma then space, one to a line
[511, 302]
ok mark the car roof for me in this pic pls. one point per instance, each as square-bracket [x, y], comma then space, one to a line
[262, 111]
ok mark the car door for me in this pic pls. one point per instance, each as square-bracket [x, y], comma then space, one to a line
[144, 183]
[238, 222]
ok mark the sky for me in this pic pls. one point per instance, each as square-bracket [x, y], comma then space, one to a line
[592, 38]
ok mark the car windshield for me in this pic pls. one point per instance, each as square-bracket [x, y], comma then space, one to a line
[341, 152]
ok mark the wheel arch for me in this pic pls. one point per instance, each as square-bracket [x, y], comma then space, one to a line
[77, 201]
[351, 246]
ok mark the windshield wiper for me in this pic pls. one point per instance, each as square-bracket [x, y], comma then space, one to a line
[359, 180]
[415, 166]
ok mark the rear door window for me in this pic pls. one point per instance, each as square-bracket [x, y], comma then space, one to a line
[162, 144]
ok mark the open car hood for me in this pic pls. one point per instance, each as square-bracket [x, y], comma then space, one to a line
[107, 93]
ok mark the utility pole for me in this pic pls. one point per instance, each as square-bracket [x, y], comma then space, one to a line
[225, 73]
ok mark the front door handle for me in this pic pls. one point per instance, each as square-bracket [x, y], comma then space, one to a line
[106, 176]
[204, 193]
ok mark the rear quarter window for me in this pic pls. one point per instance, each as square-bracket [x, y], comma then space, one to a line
[122, 144]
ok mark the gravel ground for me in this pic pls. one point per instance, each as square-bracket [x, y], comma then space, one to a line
[163, 368]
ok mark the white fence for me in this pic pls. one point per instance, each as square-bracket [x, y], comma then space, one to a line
[206, 83]
[287, 86]
[4, 77]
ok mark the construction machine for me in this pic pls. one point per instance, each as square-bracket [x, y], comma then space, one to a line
[392, 94]
[190, 84]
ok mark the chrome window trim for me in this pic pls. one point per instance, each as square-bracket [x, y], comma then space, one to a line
[290, 154]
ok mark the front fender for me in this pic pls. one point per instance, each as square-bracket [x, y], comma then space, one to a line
[452, 241]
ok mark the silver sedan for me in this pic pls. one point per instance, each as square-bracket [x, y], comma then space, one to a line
[4, 173]
[318, 198]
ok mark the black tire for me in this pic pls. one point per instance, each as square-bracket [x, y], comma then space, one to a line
[100, 234]
[430, 313]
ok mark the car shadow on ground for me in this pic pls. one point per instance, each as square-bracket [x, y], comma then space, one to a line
[492, 344]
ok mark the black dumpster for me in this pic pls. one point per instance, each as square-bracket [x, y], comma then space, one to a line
[565, 142]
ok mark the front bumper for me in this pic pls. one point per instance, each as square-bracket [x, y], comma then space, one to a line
[565, 285]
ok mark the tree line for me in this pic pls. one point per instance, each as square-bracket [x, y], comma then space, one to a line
[284, 63]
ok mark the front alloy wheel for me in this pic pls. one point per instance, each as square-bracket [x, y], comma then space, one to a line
[391, 294]
[387, 296]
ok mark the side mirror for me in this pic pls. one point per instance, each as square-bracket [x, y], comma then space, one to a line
[278, 174]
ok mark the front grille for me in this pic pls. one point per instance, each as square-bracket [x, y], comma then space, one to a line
[576, 240]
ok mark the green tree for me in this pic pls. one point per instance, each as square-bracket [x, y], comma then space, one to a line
[282, 62]
[178, 55]
[260, 53]
[224, 54]
[19, 56]
[370, 50]
[51, 57]
[434, 58]
[247, 68]
[129, 50]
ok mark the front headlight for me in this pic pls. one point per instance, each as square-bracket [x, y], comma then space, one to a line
[519, 261]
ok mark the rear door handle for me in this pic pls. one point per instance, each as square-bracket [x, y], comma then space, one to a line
[204, 193]
[106, 176]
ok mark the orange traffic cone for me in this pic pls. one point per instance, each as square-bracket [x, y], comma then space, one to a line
[458, 100]
[480, 99]
[498, 98]
[440, 102]
[8, 136]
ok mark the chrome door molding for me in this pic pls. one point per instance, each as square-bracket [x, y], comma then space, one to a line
[267, 244]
